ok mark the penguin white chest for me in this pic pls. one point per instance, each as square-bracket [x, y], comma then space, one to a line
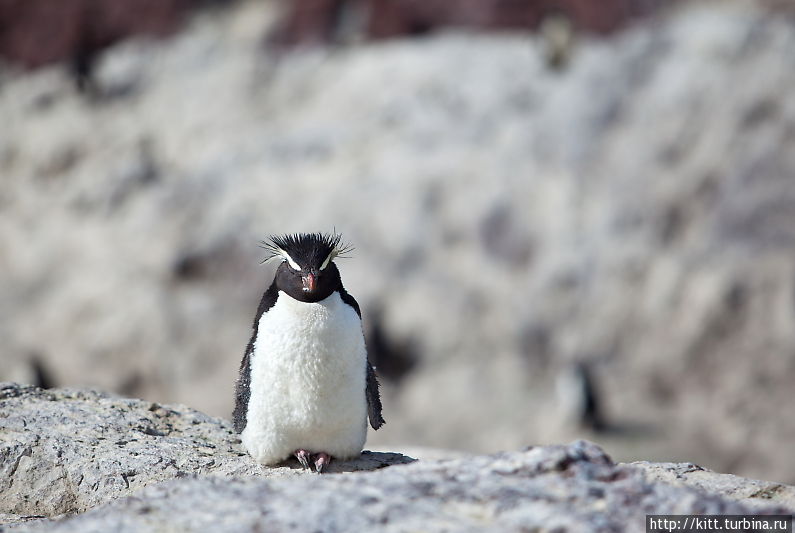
[308, 378]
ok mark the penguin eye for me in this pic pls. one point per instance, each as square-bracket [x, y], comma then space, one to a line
[290, 262]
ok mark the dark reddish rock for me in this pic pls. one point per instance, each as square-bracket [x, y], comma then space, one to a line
[37, 32]
[319, 21]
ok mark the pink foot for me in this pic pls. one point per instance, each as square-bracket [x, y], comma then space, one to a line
[303, 457]
[322, 460]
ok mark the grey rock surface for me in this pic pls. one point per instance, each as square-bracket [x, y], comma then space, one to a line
[66, 451]
[84, 461]
[567, 488]
[635, 211]
[752, 492]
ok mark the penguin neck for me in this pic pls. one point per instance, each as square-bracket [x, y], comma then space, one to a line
[329, 301]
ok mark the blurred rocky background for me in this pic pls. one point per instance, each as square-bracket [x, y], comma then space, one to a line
[571, 218]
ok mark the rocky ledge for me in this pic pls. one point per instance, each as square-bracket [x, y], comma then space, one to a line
[80, 460]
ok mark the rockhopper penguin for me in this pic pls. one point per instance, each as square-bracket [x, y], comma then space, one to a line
[306, 387]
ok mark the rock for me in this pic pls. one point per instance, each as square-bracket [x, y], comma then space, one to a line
[570, 488]
[72, 30]
[324, 21]
[750, 491]
[65, 451]
[129, 465]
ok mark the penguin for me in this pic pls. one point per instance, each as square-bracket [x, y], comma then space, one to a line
[579, 398]
[306, 388]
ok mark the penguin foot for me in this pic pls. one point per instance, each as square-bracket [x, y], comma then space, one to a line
[322, 459]
[303, 457]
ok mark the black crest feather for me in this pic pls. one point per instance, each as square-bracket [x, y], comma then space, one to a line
[306, 248]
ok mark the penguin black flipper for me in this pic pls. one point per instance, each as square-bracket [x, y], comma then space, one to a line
[373, 399]
[371, 390]
[243, 384]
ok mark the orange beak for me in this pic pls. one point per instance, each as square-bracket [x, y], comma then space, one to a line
[310, 283]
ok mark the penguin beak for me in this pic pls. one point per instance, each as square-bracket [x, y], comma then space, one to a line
[310, 282]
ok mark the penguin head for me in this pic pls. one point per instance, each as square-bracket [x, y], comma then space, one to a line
[307, 271]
